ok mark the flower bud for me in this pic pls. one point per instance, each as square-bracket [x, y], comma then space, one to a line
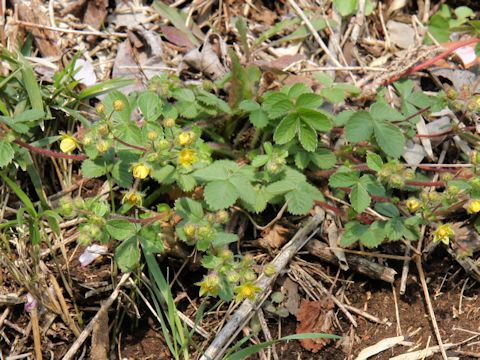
[103, 129]
[433, 196]
[453, 190]
[102, 146]
[189, 230]
[118, 105]
[409, 174]
[168, 123]
[221, 216]
[100, 108]
[397, 181]
[78, 203]
[233, 277]
[133, 198]
[452, 94]
[269, 270]
[471, 105]
[250, 276]
[152, 135]
[163, 144]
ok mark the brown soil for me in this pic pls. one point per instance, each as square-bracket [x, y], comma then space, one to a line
[376, 298]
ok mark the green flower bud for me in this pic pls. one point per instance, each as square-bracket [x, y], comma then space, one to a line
[397, 181]
[250, 276]
[452, 94]
[222, 216]
[269, 270]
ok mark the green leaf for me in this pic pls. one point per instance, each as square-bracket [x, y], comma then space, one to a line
[121, 229]
[353, 231]
[259, 118]
[382, 111]
[375, 235]
[302, 159]
[248, 105]
[127, 254]
[346, 7]
[309, 100]
[93, 168]
[387, 209]
[359, 197]
[244, 189]
[163, 174]
[6, 153]
[280, 187]
[150, 105]
[24, 198]
[374, 161]
[222, 239]
[300, 201]
[287, 129]
[359, 127]
[315, 119]
[307, 137]
[218, 170]
[323, 158]
[343, 178]
[188, 208]
[259, 160]
[389, 138]
[298, 89]
[186, 182]
[220, 194]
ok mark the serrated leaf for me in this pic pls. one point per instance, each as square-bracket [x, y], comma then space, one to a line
[298, 89]
[323, 158]
[302, 159]
[359, 197]
[244, 189]
[127, 254]
[374, 161]
[218, 170]
[375, 235]
[150, 105]
[346, 7]
[6, 153]
[315, 119]
[300, 201]
[343, 179]
[280, 108]
[280, 187]
[286, 130]
[259, 160]
[222, 239]
[186, 182]
[389, 138]
[248, 105]
[220, 194]
[189, 208]
[122, 176]
[387, 209]
[353, 231]
[359, 127]
[307, 136]
[309, 100]
[259, 118]
[163, 174]
[382, 111]
[94, 168]
[121, 229]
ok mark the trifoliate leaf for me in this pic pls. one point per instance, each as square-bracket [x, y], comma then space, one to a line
[323, 158]
[382, 111]
[343, 179]
[310, 101]
[300, 201]
[316, 119]
[259, 118]
[244, 188]
[353, 231]
[298, 89]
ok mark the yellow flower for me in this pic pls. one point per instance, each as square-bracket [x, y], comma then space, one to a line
[118, 105]
[68, 143]
[133, 197]
[187, 157]
[210, 285]
[473, 206]
[185, 138]
[102, 146]
[189, 230]
[443, 234]
[413, 204]
[140, 171]
[246, 291]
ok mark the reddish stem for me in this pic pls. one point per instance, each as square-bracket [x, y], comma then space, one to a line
[51, 153]
[337, 211]
[450, 49]
[129, 145]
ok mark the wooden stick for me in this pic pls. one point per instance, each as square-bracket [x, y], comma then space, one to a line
[37, 342]
[247, 308]
[88, 329]
[356, 263]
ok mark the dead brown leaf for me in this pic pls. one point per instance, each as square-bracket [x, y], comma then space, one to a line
[91, 12]
[45, 40]
[177, 37]
[315, 317]
[273, 238]
[292, 298]
[279, 64]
